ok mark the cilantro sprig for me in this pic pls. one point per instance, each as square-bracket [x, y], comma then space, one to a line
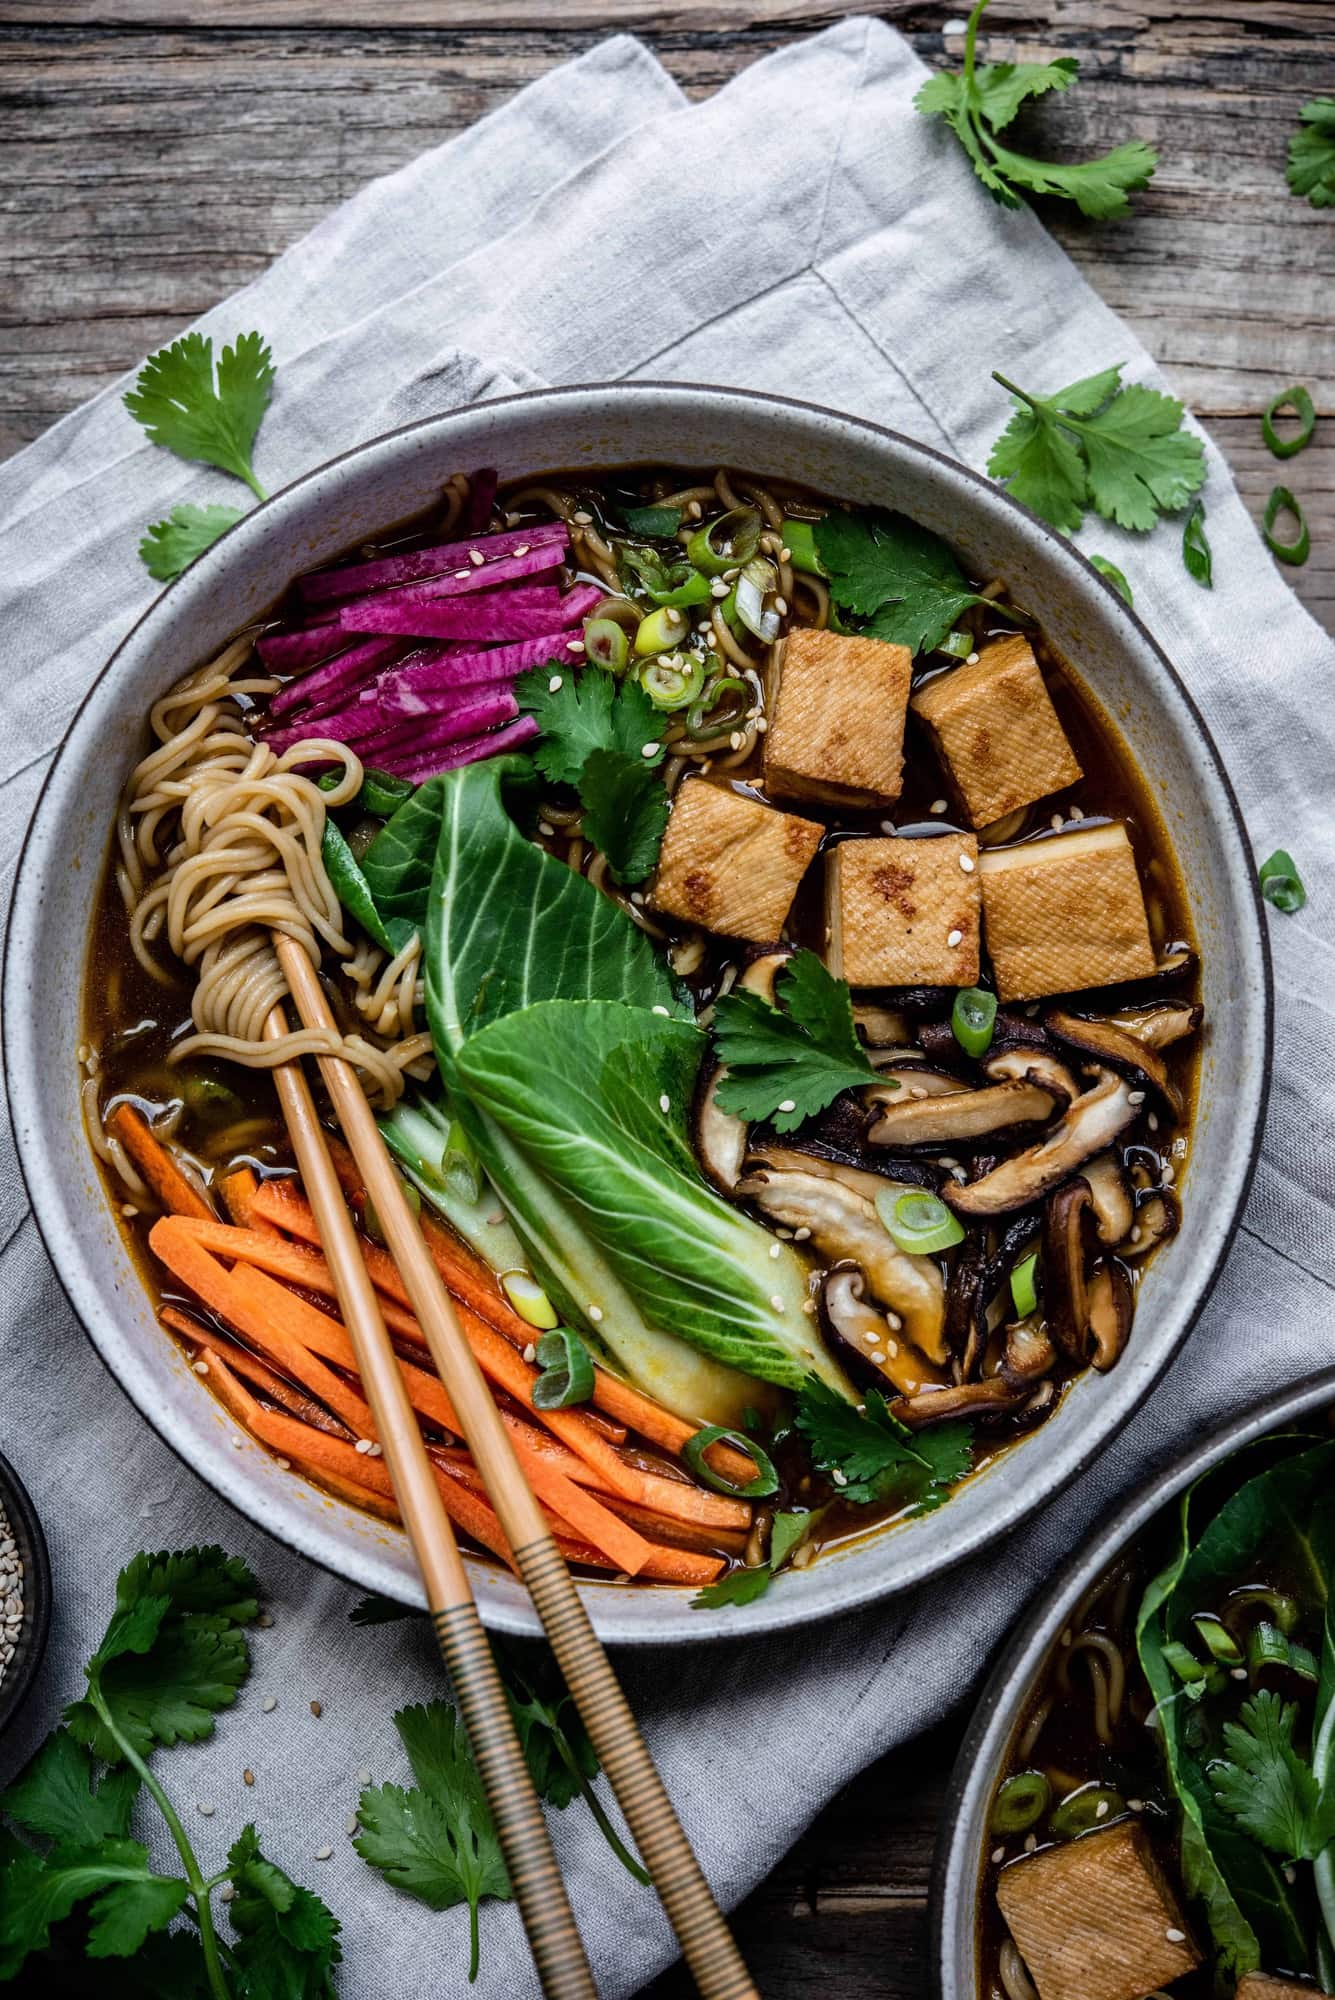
[1120, 451]
[897, 577]
[1268, 1786]
[788, 1062]
[745, 1585]
[210, 416]
[173, 1655]
[595, 732]
[983, 99]
[1311, 168]
[870, 1456]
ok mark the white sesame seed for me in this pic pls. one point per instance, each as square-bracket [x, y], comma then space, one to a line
[801, 1235]
[351, 1823]
[839, 1478]
[776, 1249]
[363, 1445]
[887, 826]
[954, 937]
[208, 1811]
[937, 806]
[1153, 1121]
[238, 1444]
[1057, 822]
[878, 1355]
[665, 1102]
[781, 606]
[495, 1219]
[1169, 1176]
[522, 549]
[462, 573]
[869, 1338]
[718, 588]
[893, 1319]
[363, 1777]
[1175, 1936]
[128, 1209]
[971, 660]
[1238, 1673]
[998, 1856]
[574, 645]
[693, 510]
[892, 1347]
[201, 1367]
[967, 863]
[581, 518]
[736, 740]
[226, 1893]
[788, 1104]
[785, 554]
[1135, 1805]
[1076, 814]
[323, 1853]
[761, 726]
[658, 1010]
[776, 1300]
[958, 1174]
[1101, 1809]
[284, 1464]
[376, 1451]
[595, 1313]
[648, 750]
[476, 557]
[1134, 1237]
[1135, 1097]
[530, 1354]
[554, 683]
[269, 1704]
[1030, 1842]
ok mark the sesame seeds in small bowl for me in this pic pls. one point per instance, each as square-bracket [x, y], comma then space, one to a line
[25, 1593]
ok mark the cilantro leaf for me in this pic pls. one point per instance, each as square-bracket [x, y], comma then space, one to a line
[378, 1610]
[801, 1056]
[1121, 451]
[287, 1940]
[55, 1795]
[170, 546]
[984, 98]
[886, 569]
[176, 400]
[735, 1586]
[125, 1899]
[872, 1456]
[436, 1842]
[1267, 1786]
[626, 810]
[586, 712]
[786, 1533]
[1311, 168]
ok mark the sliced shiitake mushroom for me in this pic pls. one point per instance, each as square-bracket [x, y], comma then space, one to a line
[1110, 1303]
[863, 1341]
[1090, 1124]
[1117, 1049]
[1154, 1222]
[994, 1397]
[1110, 1191]
[720, 1136]
[856, 1164]
[880, 1027]
[975, 1301]
[1029, 1353]
[961, 1118]
[902, 1079]
[1159, 1023]
[1014, 1064]
[842, 1225]
[1065, 1303]
[787, 1158]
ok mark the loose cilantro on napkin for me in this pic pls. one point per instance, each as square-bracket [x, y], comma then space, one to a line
[873, 1457]
[1122, 452]
[595, 731]
[787, 1063]
[900, 582]
[984, 98]
[1311, 168]
[207, 417]
[172, 1656]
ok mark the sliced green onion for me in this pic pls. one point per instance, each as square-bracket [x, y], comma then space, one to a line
[660, 631]
[1195, 549]
[726, 702]
[727, 608]
[371, 1222]
[1183, 1663]
[757, 579]
[919, 1222]
[956, 645]
[694, 1449]
[799, 538]
[529, 1300]
[1281, 884]
[1091, 1806]
[725, 543]
[382, 793]
[673, 584]
[972, 1019]
[1024, 1292]
[1219, 1641]
[206, 1095]
[1299, 549]
[652, 521]
[1295, 401]
[623, 611]
[606, 644]
[567, 1371]
[1114, 576]
[1020, 1802]
[674, 684]
[1284, 1610]
[460, 1167]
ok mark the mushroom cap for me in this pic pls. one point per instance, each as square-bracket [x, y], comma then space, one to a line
[963, 1118]
[1088, 1126]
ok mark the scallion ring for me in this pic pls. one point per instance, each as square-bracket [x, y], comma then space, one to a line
[675, 683]
[606, 645]
[660, 632]
[1024, 1293]
[799, 538]
[1091, 1806]
[693, 1451]
[1297, 551]
[723, 706]
[1281, 884]
[725, 543]
[1020, 1802]
[956, 645]
[1297, 402]
[567, 1371]
[972, 1019]
[920, 1223]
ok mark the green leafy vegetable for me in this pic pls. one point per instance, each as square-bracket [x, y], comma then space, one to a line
[170, 546]
[352, 887]
[787, 1063]
[1120, 451]
[287, 1941]
[57, 1795]
[1281, 884]
[436, 1840]
[982, 101]
[873, 1457]
[1311, 168]
[1298, 401]
[899, 581]
[1195, 549]
[1268, 1787]
[1114, 576]
[183, 408]
[626, 809]
[735, 1586]
[586, 712]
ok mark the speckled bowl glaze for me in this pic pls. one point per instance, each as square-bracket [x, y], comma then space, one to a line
[960, 1852]
[361, 494]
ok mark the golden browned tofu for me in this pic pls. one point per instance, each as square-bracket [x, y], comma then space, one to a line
[1095, 1919]
[1064, 913]
[1264, 1986]
[836, 725]
[903, 912]
[997, 732]
[729, 863]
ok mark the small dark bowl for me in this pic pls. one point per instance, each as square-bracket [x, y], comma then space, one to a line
[963, 1838]
[35, 1628]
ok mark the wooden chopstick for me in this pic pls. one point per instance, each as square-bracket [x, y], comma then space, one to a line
[530, 1858]
[707, 1943]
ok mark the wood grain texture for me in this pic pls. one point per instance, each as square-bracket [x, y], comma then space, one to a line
[156, 155]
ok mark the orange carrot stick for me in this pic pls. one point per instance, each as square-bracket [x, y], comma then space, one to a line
[294, 1263]
[251, 1369]
[238, 1190]
[178, 1195]
[356, 1495]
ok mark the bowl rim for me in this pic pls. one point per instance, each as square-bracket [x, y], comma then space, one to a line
[956, 1863]
[768, 1614]
[30, 1647]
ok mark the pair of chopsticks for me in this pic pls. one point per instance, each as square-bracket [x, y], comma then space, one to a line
[705, 1939]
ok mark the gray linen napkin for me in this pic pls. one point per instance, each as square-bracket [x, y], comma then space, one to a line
[580, 233]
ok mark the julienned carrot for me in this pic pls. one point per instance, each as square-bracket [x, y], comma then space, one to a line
[294, 1263]
[238, 1190]
[350, 1490]
[258, 1373]
[270, 1321]
[282, 1202]
[680, 1534]
[178, 1195]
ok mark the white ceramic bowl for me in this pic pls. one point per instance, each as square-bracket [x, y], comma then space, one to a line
[349, 501]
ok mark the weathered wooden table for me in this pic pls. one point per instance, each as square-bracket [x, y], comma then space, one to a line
[156, 154]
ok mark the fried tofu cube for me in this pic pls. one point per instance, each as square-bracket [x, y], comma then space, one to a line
[836, 724]
[997, 732]
[904, 912]
[731, 864]
[1095, 1919]
[1064, 913]
[1264, 1986]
